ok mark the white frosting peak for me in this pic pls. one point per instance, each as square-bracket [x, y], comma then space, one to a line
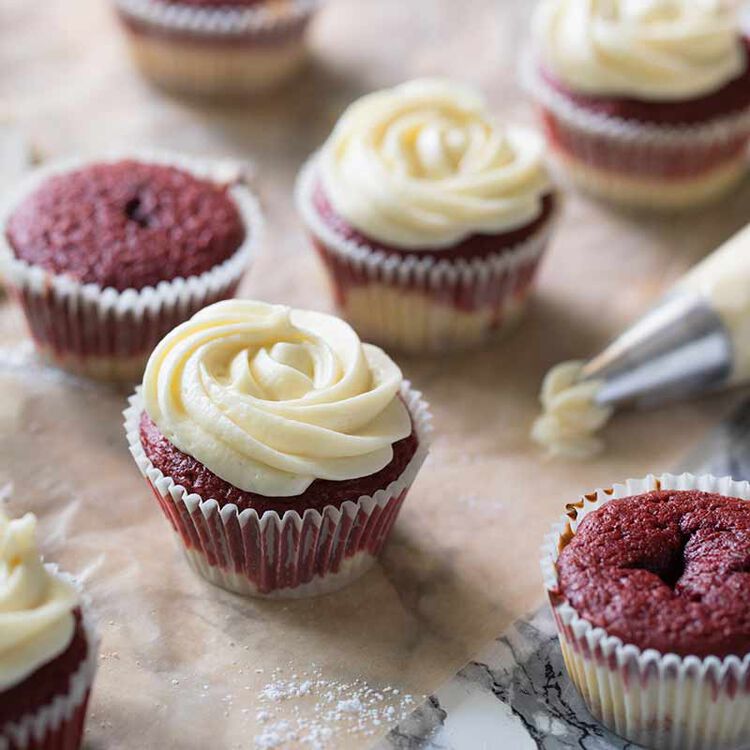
[647, 49]
[424, 165]
[570, 415]
[36, 619]
[270, 399]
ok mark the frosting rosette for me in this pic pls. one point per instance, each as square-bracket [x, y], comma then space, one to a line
[425, 165]
[36, 607]
[645, 49]
[270, 399]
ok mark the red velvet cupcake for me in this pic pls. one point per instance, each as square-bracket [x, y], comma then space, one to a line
[430, 217]
[48, 655]
[106, 257]
[278, 446]
[217, 48]
[649, 587]
[646, 104]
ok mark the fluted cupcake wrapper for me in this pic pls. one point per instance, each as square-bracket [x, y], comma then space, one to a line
[423, 304]
[638, 164]
[217, 50]
[59, 725]
[290, 555]
[658, 700]
[104, 333]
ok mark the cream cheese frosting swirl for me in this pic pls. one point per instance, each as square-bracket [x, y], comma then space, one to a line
[36, 607]
[571, 417]
[424, 165]
[646, 49]
[270, 399]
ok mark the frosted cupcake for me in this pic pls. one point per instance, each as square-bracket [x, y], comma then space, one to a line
[48, 650]
[278, 445]
[429, 214]
[105, 257]
[644, 103]
[648, 584]
[217, 48]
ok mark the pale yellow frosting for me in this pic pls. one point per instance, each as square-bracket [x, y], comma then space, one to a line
[570, 418]
[424, 165]
[646, 49]
[36, 607]
[270, 399]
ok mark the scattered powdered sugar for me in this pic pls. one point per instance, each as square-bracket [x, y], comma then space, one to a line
[309, 710]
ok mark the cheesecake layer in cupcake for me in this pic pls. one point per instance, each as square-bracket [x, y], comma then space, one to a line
[647, 581]
[107, 257]
[48, 653]
[226, 49]
[644, 103]
[430, 215]
[280, 418]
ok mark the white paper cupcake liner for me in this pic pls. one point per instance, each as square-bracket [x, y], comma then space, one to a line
[265, 17]
[105, 333]
[640, 164]
[425, 304]
[59, 725]
[657, 700]
[287, 556]
[217, 50]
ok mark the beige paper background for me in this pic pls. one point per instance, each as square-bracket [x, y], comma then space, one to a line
[462, 563]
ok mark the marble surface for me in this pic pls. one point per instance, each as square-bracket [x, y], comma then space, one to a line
[515, 692]
[188, 666]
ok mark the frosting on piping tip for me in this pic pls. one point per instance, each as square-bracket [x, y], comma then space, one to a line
[271, 399]
[570, 418]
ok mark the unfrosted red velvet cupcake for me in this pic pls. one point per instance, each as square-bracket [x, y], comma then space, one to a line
[429, 215]
[48, 654]
[646, 104]
[649, 586]
[219, 48]
[108, 256]
[279, 447]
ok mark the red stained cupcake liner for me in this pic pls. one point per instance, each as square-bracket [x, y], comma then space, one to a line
[641, 164]
[217, 50]
[422, 304]
[108, 334]
[59, 725]
[289, 556]
[654, 699]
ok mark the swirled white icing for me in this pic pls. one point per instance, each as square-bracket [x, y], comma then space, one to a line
[424, 165]
[570, 415]
[646, 49]
[36, 607]
[270, 399]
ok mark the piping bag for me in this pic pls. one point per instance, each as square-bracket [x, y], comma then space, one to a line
[695, 340]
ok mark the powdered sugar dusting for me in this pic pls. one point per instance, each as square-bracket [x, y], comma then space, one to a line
[323, 710]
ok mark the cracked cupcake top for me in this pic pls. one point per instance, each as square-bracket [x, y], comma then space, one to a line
[126, 225]
[668, 570]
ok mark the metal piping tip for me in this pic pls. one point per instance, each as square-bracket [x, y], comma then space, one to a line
[678, 349]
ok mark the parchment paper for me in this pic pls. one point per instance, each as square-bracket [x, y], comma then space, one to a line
[185, 665]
